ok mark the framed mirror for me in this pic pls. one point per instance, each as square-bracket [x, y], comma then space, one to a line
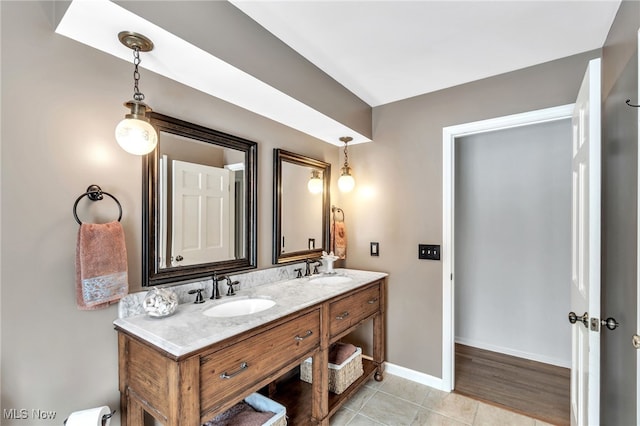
[199, 203]
[300, 212]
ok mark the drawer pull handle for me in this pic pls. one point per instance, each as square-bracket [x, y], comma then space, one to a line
[372, 301]
[307, 334]
[243, 367]
[343, 315]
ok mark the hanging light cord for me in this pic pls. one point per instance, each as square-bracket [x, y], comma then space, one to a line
[137, 95]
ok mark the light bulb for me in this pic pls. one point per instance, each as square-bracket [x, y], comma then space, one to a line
[136, 136]
[315, 183]
[346, 182]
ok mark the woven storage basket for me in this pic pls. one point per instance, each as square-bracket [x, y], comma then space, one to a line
[262, 403]
[340, 376]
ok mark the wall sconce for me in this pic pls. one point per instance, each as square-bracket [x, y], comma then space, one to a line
[315, 183]
[346, 181]
[134, 133]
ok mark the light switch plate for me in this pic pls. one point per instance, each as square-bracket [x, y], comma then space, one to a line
[375, 249]
[429, 251]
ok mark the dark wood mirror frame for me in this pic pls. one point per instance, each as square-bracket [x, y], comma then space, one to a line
[152, 274]
[280, 156]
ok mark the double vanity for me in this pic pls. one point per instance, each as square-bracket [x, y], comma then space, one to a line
[187, 368]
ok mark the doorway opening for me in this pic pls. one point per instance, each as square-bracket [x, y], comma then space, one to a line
[501, 293]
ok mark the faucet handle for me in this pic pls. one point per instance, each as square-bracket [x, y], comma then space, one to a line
[230, 289]
[299, 272]
[199, 298]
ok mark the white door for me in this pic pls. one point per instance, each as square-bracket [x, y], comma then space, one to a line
[201, 214]
[585, 248]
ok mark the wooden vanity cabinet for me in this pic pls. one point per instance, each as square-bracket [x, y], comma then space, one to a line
[191, 389]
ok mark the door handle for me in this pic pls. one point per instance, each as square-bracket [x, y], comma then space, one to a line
[610, 323]
[635, 341]
[584, 319]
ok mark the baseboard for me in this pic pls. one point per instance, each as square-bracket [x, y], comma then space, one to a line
[520, 354]
[414, 376]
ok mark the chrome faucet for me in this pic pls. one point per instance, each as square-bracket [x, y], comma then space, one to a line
[215, 292]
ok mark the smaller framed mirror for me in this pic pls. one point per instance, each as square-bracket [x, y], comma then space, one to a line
[300, 207]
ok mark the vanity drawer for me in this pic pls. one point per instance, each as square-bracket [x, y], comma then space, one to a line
[229, 372]
[352, 309]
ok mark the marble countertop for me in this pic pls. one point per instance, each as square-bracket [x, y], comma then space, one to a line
[189, 330]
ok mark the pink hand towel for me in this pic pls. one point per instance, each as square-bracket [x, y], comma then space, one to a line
[339, 239]
[101, 265]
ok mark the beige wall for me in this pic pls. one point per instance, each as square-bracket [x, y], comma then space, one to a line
[398, 201]
[61, 101]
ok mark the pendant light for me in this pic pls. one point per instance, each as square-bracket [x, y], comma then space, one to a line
[134, 133]
[346, 181]
[315, 183]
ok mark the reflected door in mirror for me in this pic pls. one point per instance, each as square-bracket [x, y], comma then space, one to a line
[202, 214]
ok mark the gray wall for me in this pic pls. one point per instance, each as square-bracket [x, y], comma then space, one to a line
[61, 101]
[619, 227]
[513, 241]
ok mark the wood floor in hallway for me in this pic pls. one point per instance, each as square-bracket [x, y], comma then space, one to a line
[532, 388]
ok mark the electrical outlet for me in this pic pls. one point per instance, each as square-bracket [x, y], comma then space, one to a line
[428, 251]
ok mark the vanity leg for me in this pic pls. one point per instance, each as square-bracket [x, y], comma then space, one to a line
[134, 414]
[320, 383]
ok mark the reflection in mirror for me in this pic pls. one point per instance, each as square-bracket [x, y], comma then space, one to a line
[200, 203]
[301, 213]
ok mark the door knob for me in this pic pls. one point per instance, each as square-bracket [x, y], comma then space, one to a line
[179, 258]
[635, 341]
[610, 323]
[584, 319]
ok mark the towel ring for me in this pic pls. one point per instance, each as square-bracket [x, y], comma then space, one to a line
[95, 193]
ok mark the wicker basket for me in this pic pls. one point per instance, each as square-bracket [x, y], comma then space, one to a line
[340, 376]
[262, 403]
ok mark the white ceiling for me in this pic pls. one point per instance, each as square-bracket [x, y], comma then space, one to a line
[384, 51]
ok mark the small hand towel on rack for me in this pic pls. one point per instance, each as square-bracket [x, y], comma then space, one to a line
[339, 239]
[101, 265]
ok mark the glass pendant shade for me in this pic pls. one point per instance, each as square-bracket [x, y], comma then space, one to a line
[315, 183]
[346, 182]
[135, 134]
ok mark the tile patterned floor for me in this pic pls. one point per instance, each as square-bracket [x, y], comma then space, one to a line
[396, 401]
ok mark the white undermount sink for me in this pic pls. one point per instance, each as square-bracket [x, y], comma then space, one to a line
[240, 307]
[333, 279]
